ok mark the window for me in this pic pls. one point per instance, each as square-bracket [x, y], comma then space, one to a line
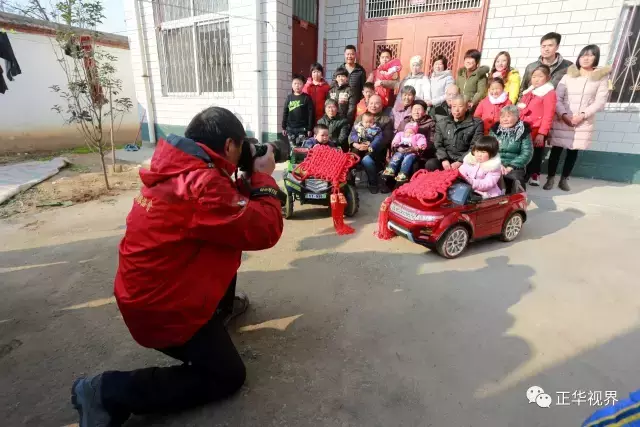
[194, 46]
[386, 8]
[626, 49]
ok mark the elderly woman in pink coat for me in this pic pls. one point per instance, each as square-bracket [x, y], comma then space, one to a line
[581, 93]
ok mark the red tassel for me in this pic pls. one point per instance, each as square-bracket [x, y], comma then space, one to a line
[338, 204]
[383, 232]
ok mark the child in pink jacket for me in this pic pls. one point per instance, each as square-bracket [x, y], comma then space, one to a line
[482, 167]
[406, 146]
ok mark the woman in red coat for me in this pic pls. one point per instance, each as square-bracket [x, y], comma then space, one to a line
[318, 89]
[489, 109]
[537, 107]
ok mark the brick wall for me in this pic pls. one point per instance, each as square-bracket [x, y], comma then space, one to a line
[341, 30]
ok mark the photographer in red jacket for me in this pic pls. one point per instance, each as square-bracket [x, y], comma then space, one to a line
[175, 284]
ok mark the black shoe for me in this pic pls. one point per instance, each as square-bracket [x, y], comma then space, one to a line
[563, 184]
[385, 188]
[240, 306]
[86, 399]
[549, 184]
[374, 189]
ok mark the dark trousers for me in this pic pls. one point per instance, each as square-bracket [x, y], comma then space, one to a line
[569, 161]
[513, 176]
[211, 370]
[433, 164]
[535, 165]
[374, 159]
[296, 136]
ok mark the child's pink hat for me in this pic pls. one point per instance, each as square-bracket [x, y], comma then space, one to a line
[411, 126]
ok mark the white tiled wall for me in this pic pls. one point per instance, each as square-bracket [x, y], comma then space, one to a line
[517, 25]
[341, 30]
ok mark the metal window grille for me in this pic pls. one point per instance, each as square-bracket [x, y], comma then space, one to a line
[393, 46]
[387, 8]
[446, 48]
[194, 46]
[307, 10]
[625, 75]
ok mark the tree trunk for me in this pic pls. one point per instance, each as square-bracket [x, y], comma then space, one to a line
[104, 167]
[113, 145]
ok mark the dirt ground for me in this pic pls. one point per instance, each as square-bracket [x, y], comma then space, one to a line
[77, 183]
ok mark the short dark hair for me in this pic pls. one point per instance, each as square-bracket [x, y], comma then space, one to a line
[350, 47]
[595, 51]
[544, 69]
[473, 53]
[341, 71]
[298, 77]
[421, 103]
[551, 36]
[486, 143]
[409, 89]
[316, 66]
[320, 127]
[387, 50]
[212, 126]
[369, 85]
[497, 80]
[442, 58]
[367, 114]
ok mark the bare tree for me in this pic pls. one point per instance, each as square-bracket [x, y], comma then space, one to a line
[30, 8]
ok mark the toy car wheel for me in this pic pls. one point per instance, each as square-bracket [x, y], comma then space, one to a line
[512, 227]
[287, 209]
[353, 201]
[454, 242]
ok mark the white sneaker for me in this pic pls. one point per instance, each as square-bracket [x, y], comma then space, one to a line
[535, 180]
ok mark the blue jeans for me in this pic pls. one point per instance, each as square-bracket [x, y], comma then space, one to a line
[370, 161]
[402, 162]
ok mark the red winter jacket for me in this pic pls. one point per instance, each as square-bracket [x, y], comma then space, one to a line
[490, 113]
[318, 93]
[184, 239]
[537, 108]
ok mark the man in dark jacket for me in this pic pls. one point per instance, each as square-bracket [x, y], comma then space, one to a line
[455, 135]
[374, 161]
[549, 44]
[357, 75]
[444, 109]
[177, 267]
[338, 126]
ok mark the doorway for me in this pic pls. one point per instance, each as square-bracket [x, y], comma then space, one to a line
[304, 36]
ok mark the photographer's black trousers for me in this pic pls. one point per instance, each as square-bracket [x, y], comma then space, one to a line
[212, 369]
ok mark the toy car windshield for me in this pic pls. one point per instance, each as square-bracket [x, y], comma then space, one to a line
[459, 192]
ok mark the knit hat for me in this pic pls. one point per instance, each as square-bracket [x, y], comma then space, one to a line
[416, 60]
[411, 126]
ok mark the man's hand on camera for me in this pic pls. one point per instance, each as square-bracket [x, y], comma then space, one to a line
[265, 164]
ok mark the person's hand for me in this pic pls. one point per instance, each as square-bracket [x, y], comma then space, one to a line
[429, 103]
[377, 83]
[470, 104]
[539, 141]
[446, 165]
[507, 170]
[567, 119]
[456, 165]
[284, 132]
[576, 120]
[497, 74]
[265, 164]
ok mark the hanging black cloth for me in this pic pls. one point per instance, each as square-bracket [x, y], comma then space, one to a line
[3, 84]
[6, 53]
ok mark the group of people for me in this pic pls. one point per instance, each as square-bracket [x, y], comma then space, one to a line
[487, 122]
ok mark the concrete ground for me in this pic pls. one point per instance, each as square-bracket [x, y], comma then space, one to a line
[349, 330]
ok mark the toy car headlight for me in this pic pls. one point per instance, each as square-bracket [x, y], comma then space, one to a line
[428, 218]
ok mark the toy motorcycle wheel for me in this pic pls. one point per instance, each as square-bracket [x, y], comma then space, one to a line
[287, 209]
[454, 242]
[353, 201]
[512, 227]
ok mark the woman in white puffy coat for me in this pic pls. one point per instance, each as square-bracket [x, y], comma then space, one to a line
[415, 79]
[441, 78]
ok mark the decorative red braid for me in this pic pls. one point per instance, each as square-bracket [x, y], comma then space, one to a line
[329, 164]
[430, 188]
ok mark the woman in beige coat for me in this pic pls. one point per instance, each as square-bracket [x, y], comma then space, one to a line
[582, 92]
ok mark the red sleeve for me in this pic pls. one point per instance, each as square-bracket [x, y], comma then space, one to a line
[549, 102]
[479, 110]
[305, 88]
[223, 215]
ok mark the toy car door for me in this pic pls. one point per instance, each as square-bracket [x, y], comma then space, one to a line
[490, 215]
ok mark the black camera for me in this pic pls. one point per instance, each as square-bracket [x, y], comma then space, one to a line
[281, 152]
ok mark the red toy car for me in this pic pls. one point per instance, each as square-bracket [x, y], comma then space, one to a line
[463, 217]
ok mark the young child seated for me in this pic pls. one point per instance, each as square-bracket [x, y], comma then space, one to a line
[406, 146]
[320, 136]
[367, 90]
[482, 167]
[363, 135]
[387, 70]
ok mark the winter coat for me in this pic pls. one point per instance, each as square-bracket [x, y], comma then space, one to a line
[184, 240]
[399, 114]
[318, 93]
[426, 127]
[357, 79]
[343, 95]
[453, 140]
[483, 177]
[417, 141]
[474, 87]
[338, 130]
[537, 108]
[579, 94]
[489, 112]
[516, 146]
[511, 84]
[419, 82]
[558, 70]
[392, 67]
[361, 134]
[439, 83]
[385, 123]
[361, 108]
[312, 142]
[298, 112]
